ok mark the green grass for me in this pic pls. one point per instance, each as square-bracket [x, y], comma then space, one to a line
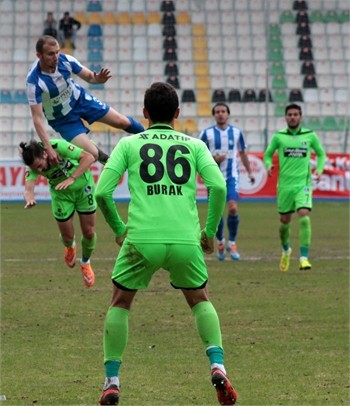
[286, 335]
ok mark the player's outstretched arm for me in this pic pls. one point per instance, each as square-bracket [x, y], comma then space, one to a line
[29, 195]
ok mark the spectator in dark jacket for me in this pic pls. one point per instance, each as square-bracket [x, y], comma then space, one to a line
[68, 29]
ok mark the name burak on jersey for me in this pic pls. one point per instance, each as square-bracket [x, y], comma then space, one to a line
[159, 189]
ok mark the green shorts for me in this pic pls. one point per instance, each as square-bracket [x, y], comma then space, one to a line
[81, 199]
[136, 264]
[291, 199]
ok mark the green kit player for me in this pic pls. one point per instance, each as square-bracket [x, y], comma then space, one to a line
[294, 189]
[163, 231]
[72, 189]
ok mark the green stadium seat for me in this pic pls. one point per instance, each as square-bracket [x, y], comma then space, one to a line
[275, 41]
[287, 17]
[275, 54]
[314, 123]
[330, 124]
[279, 109]
[331, 16]
[344, 16]
[274, 29]
[316, 16]
[279, 82]
[280, 96]
[277, 68]
[343, 124]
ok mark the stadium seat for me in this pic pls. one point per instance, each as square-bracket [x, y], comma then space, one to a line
[204, 110]
[203, 95]
[20, 96]
[95, 30]
[94, 5]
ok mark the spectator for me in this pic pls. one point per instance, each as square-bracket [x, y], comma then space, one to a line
[307, 68]
[50, 25]
[68, 29]
[309, 82]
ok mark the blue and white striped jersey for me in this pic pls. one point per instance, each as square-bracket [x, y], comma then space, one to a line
[57, 92]
[228, 141]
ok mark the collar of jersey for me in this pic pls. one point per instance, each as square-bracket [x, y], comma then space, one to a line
[161, 127]
[291, 132]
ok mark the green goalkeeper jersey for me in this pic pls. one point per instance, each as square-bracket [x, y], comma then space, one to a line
[162, 167]
[294, 156]
[69, 161]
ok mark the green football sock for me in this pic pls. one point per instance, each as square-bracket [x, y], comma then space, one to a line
[207, 323]
[115, 335]
[304, 235]
[88, 247]
[67, 244]
[285, 235]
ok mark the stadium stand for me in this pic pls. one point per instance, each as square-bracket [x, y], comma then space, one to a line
[237, 47]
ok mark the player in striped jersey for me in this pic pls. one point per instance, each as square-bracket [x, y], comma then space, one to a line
[225, 142]
[52, 91]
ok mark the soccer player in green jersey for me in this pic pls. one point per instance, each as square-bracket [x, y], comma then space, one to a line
[294, 188]
[71, 189]
[162, 231]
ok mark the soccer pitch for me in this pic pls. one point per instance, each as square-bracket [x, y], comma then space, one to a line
[285, 335]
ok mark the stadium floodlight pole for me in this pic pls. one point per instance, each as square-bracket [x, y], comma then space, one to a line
[266, 129]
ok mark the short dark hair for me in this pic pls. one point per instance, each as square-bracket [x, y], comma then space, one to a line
[293, 106]
[31, 151]
[161, 102]
[220, 104]
[44, 39]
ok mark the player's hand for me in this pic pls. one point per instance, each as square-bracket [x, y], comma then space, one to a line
[120, 240]
[65, 184]
[317, 177]
[53, 156]
[219, 157]
[30, 204]
[207, 243]
[269, 171]
[102, 76]
[251, 179]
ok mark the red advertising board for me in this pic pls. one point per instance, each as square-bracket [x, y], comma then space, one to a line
[335, 181]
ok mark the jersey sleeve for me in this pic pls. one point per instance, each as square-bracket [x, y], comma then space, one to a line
[76, 66]
[215, 183]
[66, 150]
[30, 174]
[320, 153]
[242, 145]
[106, 185]
[270, 150]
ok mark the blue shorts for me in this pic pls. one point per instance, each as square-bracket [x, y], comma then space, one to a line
[232, 189]
[89, 108]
